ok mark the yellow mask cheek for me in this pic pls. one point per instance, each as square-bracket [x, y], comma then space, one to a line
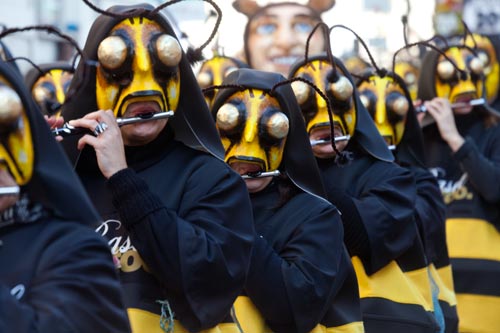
[18, 154]
[275, 157]
[492, 83]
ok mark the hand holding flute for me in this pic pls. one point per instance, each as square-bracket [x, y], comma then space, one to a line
[441, 111]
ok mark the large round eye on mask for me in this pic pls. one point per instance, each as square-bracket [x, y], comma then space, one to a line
[365, 101]
[277, 125]
[204, 79]
[112, 52]
[227, 117]
[10, 108]
[445, 70]
[169, 50]
[399, 105]
[42, 94]
[342, 89]
[476, 65]
[301, 91]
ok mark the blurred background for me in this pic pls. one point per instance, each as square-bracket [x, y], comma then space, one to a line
[378, 22]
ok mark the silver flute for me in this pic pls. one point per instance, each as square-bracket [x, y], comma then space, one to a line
[472, 102]
[9, 190]
[261, 174]
[68, 130]
[324, 142]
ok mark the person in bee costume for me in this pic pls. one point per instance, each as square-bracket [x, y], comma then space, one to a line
[58, 274]
[300, 277]
[462, 147]
[178, 217]
[49, 84]
[375, 196]
[276, 33]
[388, 100]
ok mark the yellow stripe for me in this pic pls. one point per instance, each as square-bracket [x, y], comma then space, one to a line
[420, 279]
[390, 283]
[143, 321]
[251, 321]
[473, 239]
[478, 314]
[249, 318]
[444, 279]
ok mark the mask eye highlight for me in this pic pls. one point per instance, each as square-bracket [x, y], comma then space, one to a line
[278, 125]
[227, 117]
[342, 89]
[10, 109]
[301, 91]
[398, 104]
[476, 65]
[446, 70]
[168, 50]
[112, 52]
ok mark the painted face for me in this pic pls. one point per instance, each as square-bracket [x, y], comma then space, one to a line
[409, 72]
[138, 62]
[16, 143]
[388, 106]
[314, 107]
[277, 37]
[213, 72]
[459, 88]
[49, 91]
[253, 130]
[486, 52]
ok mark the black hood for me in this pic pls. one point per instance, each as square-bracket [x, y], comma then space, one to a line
[192, 122]
[366, 134]
[53, 183]
[298, 160]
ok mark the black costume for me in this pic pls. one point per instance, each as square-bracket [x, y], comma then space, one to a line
[300, 277]
[58, 274]
[376, 198]
[468, 180]
[396, 121]
[178, 218]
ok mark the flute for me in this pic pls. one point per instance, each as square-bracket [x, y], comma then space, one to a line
[9, 190]
[472, 102]
[68, 130]
[324, 142]
[261, 174]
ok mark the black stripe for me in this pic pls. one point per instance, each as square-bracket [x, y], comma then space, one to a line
[382, 316]
[476, 276]
[450, 317]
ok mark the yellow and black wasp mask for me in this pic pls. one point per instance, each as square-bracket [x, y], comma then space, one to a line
[214, 70]
[388, 100]
[32, 156]
[49, 84]
[348, 111]
[133, 55]
[409, 70]
[455, 72]
[485, 50]
[260, 122]
[138, 61]
[349, 115]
